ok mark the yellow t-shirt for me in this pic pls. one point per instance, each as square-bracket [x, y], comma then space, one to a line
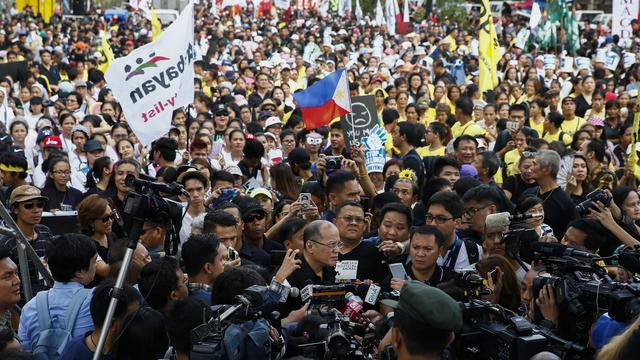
[537, 127]
[426, 151]
[571, 126]
[511, 160]
[469, 128]
[566, 138]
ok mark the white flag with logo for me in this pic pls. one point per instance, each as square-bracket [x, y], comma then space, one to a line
[156, 79]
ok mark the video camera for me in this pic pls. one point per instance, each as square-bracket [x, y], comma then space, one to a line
[229, 326]
[145, 203]
[591, 198]
[518, 237]
[465, 286]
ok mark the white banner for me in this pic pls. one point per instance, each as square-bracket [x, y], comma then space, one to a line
[282, 4]
[623, 12]
[156, 79]
[142, 5]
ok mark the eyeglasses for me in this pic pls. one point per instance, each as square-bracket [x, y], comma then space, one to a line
[470, 212]
[31, 204]
[350, 219]
[106, 218]
[333, 245]
[439, 219]
[254, 217]
[62, 172]
[314, 141]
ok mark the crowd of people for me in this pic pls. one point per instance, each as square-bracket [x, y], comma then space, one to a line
[262, 185]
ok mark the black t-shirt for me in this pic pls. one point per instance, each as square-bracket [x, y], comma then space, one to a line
[516, 186]
[440, 275]
[218, 135]
[559, 209]
[302, 277]
[411, 160]
[370, 262]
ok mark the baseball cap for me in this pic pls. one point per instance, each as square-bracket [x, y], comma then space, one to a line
[429, 305]
[25, 193]
[220, 109]
[80, 83]
[260, 191]
[468, 170]
[43, 134]
[264, 114]
[52, 141]
[233, 170]
[249, 206]
[273, 120]
[298, 156]
[568, 98]
[92, 145]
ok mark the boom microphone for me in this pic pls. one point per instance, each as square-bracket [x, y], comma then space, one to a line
[505, 219]
[629, 262]
[559, 250]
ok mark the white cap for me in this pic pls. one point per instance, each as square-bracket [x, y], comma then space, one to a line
[399, 63]
[273, 120]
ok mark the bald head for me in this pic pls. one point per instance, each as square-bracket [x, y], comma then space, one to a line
[315, 230]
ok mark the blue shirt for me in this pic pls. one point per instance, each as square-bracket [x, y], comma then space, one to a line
[78, 350]
[59, 299]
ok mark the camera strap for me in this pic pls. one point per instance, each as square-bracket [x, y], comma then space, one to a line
[452, 255]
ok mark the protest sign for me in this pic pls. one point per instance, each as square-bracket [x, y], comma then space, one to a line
[156, 79]
[360, 121]
[374, 153]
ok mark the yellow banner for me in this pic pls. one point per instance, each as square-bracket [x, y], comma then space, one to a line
[633, 157]
[107, 54]
[489, 49]
[46, 8]
[156, 27]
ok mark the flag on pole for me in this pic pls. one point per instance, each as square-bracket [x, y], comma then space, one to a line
[489, 50]
[633, 156]
[107, 53]
[379, 16]
[155, 79]
[358, 14]
[156, 27]
[325, 100]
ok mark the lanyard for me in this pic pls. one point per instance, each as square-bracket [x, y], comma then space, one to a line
[452, 254]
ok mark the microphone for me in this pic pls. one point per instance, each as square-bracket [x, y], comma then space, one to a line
[172, 189]
[559, 250]
[629, 261]
[505, 219]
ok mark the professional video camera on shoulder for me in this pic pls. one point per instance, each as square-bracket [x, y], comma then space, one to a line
[145, 203]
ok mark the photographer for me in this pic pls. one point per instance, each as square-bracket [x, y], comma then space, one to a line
[424, 322]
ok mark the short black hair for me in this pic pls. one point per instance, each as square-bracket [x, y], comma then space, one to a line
[465, 104]
[233, 282]
[409, 131]
[518, 107]
[347, 204]
[144, 337]
[14, 159]
[443, 161]
[597, 236]
[199, 250]
[183, 316]
[157, 280]
[336, 181]
[5, 252]
[428, 230]
[556, 119]
[221, 175]
[102, 297]
[433, 186]
[218, 218]
[253, 149]
[167, 148]
[384, 198]
[450, 201]
[290, 227]
[399, 208]
[490, 161]
[68, 254]
[462, 138]
[484, 194]
[439, 129]
[195, 175]
[421, 339]
[313, 188]
[598, 149]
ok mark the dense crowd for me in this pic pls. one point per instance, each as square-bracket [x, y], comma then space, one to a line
[273, 202]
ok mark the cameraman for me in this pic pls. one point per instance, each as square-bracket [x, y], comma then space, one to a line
[424, 322]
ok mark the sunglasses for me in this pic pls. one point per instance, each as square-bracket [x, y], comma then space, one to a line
[314, 141]
[254, 217]
[31, 204]
[106, 218]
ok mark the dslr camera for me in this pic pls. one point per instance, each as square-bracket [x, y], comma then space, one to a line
[592, 197]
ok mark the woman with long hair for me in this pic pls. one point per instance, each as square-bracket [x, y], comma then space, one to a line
[584, 100]
[627, 200]
[60, 195]
[125, 150]
[95, 218]
[99, 176]
[502, 280]
[118, 190]
[283, 182]
[578, 185]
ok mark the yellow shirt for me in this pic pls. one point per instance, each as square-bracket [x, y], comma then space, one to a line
[600, 115]
[566, 139]
[511, 160]
[469, 128]
[426, 151]
[537, 127]
[429, 116]
[497, 178]
[572, 126]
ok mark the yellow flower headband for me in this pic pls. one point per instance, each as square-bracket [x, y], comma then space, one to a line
[408, 174]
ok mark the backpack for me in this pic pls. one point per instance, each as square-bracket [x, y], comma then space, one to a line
[52, 341]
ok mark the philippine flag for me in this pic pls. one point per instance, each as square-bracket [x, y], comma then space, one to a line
[325, 100]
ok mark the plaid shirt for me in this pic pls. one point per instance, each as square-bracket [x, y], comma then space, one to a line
[198, 286]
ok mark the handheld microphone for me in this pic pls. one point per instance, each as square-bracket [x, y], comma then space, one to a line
[559, 250]
[505, 219]
[629, 261]
[172, 189]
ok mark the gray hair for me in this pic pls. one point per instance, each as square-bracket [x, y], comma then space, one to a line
[549, 159]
